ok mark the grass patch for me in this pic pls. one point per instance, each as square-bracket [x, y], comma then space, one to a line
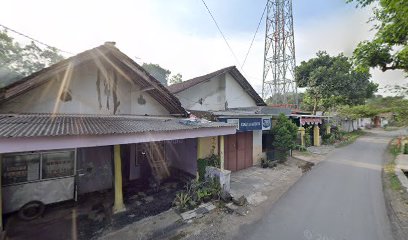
[392, 128]
[350, 137]
[389, 167]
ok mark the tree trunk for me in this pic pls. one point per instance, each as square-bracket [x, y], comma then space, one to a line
[315, 106]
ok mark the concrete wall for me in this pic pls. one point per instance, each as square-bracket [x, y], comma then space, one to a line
[88, 95]
[95, 163]
[209, 95]
[364, 121]
[349, 125]
[207, 146]
[384, 122]
[235, 94]
[257, 147]
[182, 154]
[215, 94]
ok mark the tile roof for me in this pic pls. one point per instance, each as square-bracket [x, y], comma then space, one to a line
[108, 54]
[179, 87]
[47, 125]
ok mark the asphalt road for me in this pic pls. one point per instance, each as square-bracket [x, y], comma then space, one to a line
[341, 198]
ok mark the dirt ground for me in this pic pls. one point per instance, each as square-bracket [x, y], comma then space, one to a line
[221, 224]
[91, 217]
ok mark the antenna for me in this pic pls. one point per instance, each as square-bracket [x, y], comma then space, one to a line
[279, 56]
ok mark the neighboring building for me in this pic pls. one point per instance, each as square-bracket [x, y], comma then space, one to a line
[226, 96]
[88, 123]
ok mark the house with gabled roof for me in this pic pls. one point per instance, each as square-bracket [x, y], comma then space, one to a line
[226, 96]
[92, 122]
[223, 89]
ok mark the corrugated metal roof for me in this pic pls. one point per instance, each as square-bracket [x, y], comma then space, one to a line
[107, 54]
[179, 87]
[41, 125]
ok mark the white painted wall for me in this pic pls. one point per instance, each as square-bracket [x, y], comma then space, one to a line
[384, 122]
[215, 93]
[349, 125]
[84, 91]
[257, 147]
[364, 122]
[212, 94]
[235, 94]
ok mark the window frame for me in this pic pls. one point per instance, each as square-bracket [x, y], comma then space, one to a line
[41, 179]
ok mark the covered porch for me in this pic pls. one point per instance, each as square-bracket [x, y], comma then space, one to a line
[118, 157]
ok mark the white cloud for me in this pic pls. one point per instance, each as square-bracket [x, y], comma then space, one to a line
[140, 31]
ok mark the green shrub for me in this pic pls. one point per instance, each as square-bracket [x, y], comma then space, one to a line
[212, 161]
[308, 140]
[301, 148]
[284, 136]
[182, 201]
[202, 163]
[328, 139]
[197, 192]
[265, 163]
[406, 148]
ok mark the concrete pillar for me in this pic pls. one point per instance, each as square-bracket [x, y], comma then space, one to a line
[222, 152]
[316, 136]
[328, 129]
[199, 148]
[118, 204]
[302, 136]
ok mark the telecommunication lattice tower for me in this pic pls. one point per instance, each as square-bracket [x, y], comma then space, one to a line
[279, 56]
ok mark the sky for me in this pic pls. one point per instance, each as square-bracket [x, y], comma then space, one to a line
[180, 35]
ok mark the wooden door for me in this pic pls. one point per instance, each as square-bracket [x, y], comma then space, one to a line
[238, 151]
[241, 150]
[248, 149]
[230, 152]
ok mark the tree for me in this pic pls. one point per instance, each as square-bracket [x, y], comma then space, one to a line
[389, 48]
[18, 61]
[178, 78]
[332, 81]
[157, 72]
[284, 136]
[361, 111]
[291, 97]
[398, 106]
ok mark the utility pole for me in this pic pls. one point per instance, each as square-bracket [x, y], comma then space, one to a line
[279, 56]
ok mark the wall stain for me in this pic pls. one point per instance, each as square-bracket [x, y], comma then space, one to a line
[98, 88]
[116, 103]
[110, 88]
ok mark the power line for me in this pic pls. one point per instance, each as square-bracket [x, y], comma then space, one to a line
[253, 39]
[33, 39]
[222, 34]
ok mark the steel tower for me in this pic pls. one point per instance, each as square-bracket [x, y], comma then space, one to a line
[279, 56]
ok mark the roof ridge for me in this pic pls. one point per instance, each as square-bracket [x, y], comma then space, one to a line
[174, 87]
[160, 93]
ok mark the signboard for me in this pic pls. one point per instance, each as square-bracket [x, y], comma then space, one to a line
[266, 124]
[249, 124]
[234, 121]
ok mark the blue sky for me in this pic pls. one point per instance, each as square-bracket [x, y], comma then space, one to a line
[180, 35]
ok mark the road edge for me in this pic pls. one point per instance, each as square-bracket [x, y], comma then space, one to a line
[397, 230]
